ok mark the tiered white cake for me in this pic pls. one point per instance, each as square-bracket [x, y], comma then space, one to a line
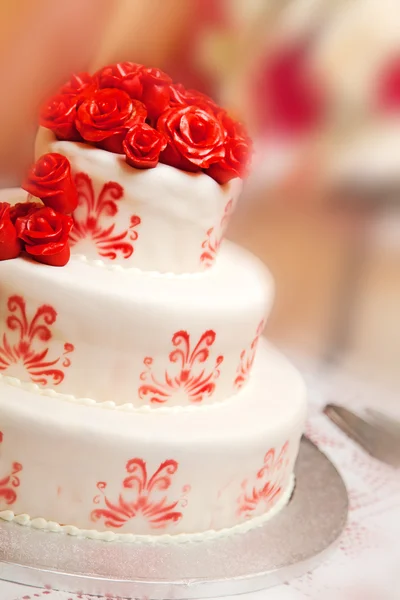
[132, 402]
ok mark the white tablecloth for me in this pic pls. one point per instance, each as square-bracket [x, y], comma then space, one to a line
[366, 562]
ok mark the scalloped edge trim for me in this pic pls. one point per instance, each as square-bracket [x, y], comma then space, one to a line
[110, 404]
[131, 538]
[95, 262]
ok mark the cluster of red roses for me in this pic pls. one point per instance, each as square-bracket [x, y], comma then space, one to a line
[137, 111]
[41, 229]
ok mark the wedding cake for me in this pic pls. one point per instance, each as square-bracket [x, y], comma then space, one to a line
[137, 399]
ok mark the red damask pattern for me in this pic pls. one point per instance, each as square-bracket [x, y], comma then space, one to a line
[147, 497]
[267, 486]
[214, 237]
[188, 376]
[27, 343]
[93, 214]
[247, 358]
[9, 483]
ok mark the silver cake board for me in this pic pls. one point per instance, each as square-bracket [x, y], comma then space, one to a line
[292, 543]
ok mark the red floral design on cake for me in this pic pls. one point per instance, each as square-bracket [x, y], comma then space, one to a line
[147, 497]
[267, 486]
[10, 482]
[247, 359]
[26, 342]
[189, 376]
[93, 214]
[214, 237]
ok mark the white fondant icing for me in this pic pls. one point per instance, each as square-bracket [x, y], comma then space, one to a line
[130, 538]
[222, 456]
[177, 210]
[115, 320]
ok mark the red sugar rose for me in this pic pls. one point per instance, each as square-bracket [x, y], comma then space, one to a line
[45, 234]
[10, 245]
[105, 117]
[50, 179]
[58, 114]
[234, 164]
[180, 96]
[23, 209]
[79, 84]
[142, 146]
[150, 86]
[195, 138]
[124, 76]
[156, 91]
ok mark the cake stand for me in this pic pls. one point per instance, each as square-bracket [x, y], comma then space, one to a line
[295, 541]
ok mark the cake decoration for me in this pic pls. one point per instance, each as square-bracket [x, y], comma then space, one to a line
[10, 244]
[50, 179]
[247, 359]
[213, 241]
[44, 233]
[267, 486]
[190, 380]
[143, 145]
[94, 219]
[41, 229]
[10, 482]
[147, 499]
[194, 133]
[26, 343]
[105, 116]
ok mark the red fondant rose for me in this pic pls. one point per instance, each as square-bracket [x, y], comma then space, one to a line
[196, 138]
[106, 116]
[79, 84]
[150, 86]
[156, 93]
[124, 76]
[235, 162]
[45, 234]
[50, 179]
[58, 114]
[180, 96]
[23, 209]
[142, 146]
[233, 129]
[10, 245]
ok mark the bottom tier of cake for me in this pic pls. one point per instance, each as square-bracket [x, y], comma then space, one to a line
[169, 475]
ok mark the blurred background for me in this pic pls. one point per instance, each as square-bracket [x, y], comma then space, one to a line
[318, 84]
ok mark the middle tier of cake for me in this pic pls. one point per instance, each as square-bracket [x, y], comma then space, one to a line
[126, 337]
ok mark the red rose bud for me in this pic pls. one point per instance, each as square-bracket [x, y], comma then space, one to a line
[142, 146]
[45, 234]
[59, 114]
[50, 179]
[195, 136]
[23, 209]
[106, 116]
[124, 76]
[235, 162]
[10, 245]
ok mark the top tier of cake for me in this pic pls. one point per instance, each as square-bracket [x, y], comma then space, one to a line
[162, 219]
